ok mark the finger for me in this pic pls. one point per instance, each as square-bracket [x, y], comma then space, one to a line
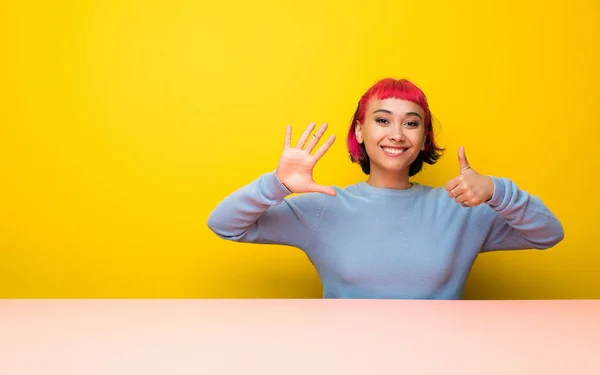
[304, 136]
[456, 194]
[315, 138]
[462, 159]
[457, 191]
[288, 136]
[323, 189]
[459, 198]
[465, 196]
[452, 184]
[323, 149]
[452, 194]
[464, 201]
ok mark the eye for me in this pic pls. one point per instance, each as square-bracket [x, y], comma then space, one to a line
[412, 124]
[382, 120]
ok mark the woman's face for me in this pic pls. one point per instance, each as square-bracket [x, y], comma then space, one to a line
[393, 133]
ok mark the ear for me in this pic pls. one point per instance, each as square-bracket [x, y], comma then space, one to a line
[358, 132]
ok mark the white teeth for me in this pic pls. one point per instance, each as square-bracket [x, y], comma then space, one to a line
[396, 151]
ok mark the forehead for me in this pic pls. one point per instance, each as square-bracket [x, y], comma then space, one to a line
[396, 106]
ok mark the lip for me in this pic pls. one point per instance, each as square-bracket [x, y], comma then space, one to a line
[395, 148]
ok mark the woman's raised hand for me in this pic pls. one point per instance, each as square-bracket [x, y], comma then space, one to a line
[295, 168]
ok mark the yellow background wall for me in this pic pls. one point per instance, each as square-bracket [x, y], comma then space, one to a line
[123, 123]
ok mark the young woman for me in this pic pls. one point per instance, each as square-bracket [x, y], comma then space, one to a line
[386, 237]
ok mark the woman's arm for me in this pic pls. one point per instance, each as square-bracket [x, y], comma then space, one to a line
[519, 220]
[262, 212]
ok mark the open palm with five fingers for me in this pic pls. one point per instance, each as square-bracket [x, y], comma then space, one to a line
[295, 167]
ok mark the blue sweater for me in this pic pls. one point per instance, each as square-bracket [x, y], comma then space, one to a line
[370, 242]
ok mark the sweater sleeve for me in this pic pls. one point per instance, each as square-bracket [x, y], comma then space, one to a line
[519, 220]
[262, 212]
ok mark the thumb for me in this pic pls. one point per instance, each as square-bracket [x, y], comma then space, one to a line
[323, 189]
[462, 159]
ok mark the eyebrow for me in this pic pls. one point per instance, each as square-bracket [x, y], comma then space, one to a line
[391, 113]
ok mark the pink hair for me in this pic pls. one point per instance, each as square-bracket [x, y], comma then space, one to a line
[384, 89]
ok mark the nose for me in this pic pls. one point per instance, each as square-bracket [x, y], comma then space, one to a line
[396, 133]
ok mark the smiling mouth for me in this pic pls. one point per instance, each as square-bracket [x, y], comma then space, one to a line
[393, 150]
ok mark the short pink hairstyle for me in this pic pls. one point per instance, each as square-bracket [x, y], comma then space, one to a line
[400, 89]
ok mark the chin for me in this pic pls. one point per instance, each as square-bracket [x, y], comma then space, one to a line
[395, 168]
[398, 169]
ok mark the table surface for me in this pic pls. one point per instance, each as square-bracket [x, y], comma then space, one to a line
[280, 336]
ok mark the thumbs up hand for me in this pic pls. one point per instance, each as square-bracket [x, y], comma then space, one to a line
[469, 188]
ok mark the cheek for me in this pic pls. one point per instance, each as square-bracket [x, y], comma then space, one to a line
[417, 137]
[374, 134]
[372, 141]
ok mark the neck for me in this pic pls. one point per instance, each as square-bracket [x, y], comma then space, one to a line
[389, 180]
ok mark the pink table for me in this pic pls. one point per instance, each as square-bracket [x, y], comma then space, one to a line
[210, 337]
